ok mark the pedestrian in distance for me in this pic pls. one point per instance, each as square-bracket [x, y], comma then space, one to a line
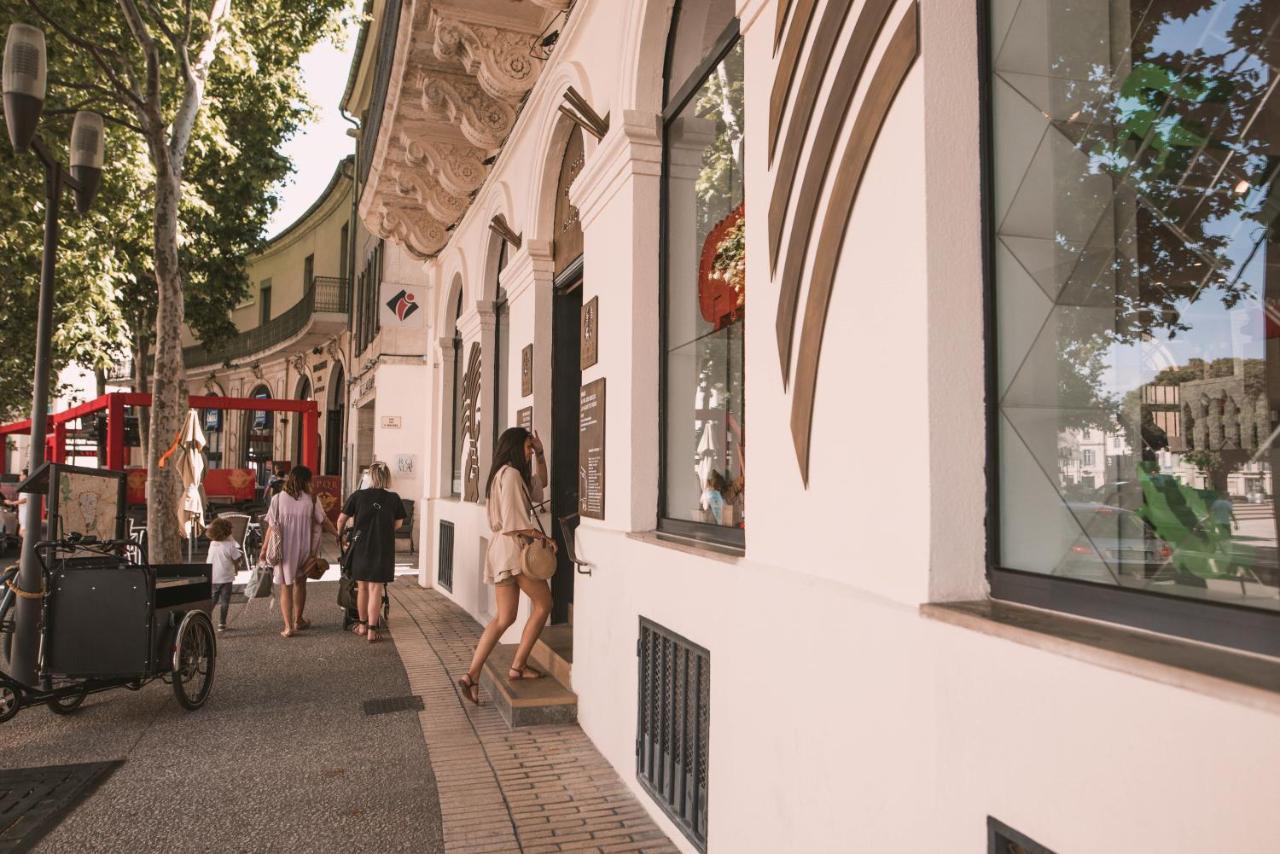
[511, 490]
[226, 557]
[296, 517]
[376, 513]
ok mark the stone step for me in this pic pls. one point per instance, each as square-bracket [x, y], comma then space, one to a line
[553, 653]
[526, 702]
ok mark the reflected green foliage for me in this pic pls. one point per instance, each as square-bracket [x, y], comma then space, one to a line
[1180, 515]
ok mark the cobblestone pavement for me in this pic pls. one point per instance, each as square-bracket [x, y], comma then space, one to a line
[534, 789]
[282, 758]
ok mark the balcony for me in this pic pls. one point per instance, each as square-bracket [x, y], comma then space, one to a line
[319, 315]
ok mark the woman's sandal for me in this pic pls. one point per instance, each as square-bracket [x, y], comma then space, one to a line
[286, 634]
[525, 672]
[469, 688]
[302, 624]
[359, 627]
[371, 634]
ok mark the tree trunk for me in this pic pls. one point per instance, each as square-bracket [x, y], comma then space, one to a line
[168, 385]
[140, 384]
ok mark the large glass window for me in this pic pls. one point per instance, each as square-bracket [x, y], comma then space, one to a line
[1135, 148]
[705, 276]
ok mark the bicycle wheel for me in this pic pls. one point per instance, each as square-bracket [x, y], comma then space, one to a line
[194, 657]
[10, 700]
[68, 703]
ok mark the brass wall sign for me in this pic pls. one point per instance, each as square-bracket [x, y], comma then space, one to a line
[591, 433]
[590, 327]
[806, 180]
[526, 371]
[471, 426]
[524, 418]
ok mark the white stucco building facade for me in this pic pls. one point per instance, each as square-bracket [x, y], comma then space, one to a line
[873, 683]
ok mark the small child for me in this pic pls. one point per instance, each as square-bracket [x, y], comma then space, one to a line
[225, 556]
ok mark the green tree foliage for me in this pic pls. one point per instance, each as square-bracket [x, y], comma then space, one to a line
[201, 94]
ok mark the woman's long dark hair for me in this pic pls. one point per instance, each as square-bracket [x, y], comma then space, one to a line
[298, 481]
[510, 452]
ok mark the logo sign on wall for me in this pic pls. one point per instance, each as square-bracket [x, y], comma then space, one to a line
[400, 306]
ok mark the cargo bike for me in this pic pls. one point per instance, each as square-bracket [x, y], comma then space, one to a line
[105, 621]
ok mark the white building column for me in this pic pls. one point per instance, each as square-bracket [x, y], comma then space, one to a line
[617, 197]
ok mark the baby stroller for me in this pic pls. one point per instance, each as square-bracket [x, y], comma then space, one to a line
[347, 591]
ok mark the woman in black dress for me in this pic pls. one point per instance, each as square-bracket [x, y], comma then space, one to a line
[376, 513]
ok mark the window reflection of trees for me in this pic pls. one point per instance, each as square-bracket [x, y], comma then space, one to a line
[1161, 157]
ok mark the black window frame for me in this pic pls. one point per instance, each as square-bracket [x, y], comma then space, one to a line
[1220, 623]
[718, 536]
[264, 302]
[501, 308]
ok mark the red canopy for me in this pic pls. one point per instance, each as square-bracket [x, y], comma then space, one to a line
[114, 404]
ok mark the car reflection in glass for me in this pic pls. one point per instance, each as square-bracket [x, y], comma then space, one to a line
[1115, 542]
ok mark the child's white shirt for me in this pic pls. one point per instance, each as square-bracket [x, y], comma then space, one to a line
[223, 554]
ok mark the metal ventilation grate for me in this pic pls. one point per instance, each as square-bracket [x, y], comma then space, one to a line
[34, 801]
[673, 726]
[412, 702]
[445, 572]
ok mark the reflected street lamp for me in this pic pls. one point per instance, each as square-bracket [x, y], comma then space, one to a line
[24, 81]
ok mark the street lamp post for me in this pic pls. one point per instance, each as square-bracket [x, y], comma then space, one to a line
[24, 81]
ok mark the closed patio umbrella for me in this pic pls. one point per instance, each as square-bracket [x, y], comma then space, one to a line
[190, 466]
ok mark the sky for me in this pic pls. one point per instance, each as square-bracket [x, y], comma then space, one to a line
[316, 149]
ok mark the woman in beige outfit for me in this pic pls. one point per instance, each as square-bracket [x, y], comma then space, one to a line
[511, 489]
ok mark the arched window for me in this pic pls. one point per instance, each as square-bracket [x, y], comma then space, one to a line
[456, 433]
[261, 432]
[703, 276]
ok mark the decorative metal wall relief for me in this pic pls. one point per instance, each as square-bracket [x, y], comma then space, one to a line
[788, 265]
[590, 344]
[567, 242]
[591, 435]
[526, 371]
[471, 426]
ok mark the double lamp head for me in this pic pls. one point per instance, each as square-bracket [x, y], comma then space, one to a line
[24, 79]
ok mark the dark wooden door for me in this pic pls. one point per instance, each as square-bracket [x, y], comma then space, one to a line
[566, 383]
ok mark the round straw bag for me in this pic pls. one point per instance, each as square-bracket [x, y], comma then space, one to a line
[538, 557]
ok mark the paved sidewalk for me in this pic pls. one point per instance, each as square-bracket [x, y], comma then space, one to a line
[282, 758]
[537, 789]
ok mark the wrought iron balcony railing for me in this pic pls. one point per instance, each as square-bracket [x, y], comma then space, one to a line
[327, 294]
[372, 121]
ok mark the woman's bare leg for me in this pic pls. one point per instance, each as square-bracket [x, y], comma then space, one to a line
[362, 604]
[299, 597]
[373, 603]
[508, 596]
[286, 609]
[539, 592]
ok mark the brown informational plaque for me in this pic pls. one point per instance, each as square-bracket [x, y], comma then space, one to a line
[526, 370]
[524, 418]
[591, 450]
[590, 328]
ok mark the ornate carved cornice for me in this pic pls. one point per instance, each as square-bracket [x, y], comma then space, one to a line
[461, 73]
[500, 59]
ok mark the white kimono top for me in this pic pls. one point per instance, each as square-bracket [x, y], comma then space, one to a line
[507, 511]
